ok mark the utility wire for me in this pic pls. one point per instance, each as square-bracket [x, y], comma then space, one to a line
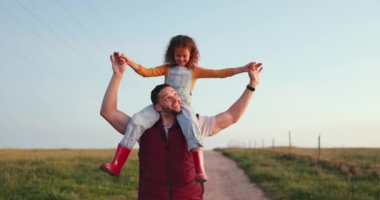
[99, 20]
[41, 68]
[25, 25]
[31, 31]
[81, 26]
[79, 53]
[75, 41]
[31, 62]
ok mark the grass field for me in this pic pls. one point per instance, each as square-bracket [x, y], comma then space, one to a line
[283, 176]
[64, 174]
[74, 174]
[366, 158]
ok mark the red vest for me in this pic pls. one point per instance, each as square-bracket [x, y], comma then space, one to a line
[166, 166]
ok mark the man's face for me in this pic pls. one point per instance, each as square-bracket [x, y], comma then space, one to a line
[168, 101]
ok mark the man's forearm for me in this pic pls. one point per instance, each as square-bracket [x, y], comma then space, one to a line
[109, 110]
[109, 103]
[237, 109]
[233, 114]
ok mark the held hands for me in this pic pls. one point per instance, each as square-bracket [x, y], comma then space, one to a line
[118, 63]
[249, 66]
[253, 72]
[125, 58]
[130, 62]
[246, 67]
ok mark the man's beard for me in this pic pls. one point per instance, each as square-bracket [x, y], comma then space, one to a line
[172, 111]
[176, 112]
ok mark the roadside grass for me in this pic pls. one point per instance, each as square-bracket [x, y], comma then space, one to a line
[64, 174]
[284, 177]
[366, 158]
[74, 174]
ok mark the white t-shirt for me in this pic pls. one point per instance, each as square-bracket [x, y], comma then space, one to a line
[206, 124]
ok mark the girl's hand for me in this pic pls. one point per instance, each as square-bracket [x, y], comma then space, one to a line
[253, 65]
[250, 66]
[246, 67]
[130, 62]
[125, 58]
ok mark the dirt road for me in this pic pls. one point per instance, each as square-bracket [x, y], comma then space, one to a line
[227, 181]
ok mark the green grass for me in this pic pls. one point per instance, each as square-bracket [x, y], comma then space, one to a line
[74, 174]
[284, 177]
[366, 158]
[64, 174]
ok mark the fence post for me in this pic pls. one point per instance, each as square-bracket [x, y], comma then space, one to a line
[319, 146]
[290, 142]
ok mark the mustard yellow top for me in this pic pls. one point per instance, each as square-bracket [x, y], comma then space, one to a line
[198, 72]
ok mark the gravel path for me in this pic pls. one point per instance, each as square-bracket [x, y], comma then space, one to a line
[227, 181]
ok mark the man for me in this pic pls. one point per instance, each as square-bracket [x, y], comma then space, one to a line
[166, 167]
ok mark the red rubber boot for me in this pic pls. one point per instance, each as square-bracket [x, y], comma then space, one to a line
[200, 176]
[114, 168]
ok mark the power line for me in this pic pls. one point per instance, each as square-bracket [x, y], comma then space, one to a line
[42, 68]
[78, 53]
[72, 38]
[99, 19]
[31, 62]
[31, 31]
[80, 25]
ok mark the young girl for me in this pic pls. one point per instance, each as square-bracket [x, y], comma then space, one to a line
[181, 72]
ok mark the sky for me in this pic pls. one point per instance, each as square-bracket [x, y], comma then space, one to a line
[321, 71]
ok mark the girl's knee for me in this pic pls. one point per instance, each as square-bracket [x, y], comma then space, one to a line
[197, 148]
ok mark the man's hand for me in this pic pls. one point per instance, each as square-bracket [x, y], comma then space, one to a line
[253, 72]
[118, 63]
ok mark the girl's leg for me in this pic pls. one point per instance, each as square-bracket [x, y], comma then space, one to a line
[114, 168]
[139, 122]
[190, 128]
[200, 171]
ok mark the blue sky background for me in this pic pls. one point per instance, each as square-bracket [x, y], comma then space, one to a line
[321, 68]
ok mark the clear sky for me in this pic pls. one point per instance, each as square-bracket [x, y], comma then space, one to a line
[321, 68]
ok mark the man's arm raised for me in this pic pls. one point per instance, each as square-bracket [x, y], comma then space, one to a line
[233, 114]
[109, 109]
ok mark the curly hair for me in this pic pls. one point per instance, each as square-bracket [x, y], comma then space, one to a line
[182, 41]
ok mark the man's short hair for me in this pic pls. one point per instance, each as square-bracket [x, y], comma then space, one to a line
[156, 91]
